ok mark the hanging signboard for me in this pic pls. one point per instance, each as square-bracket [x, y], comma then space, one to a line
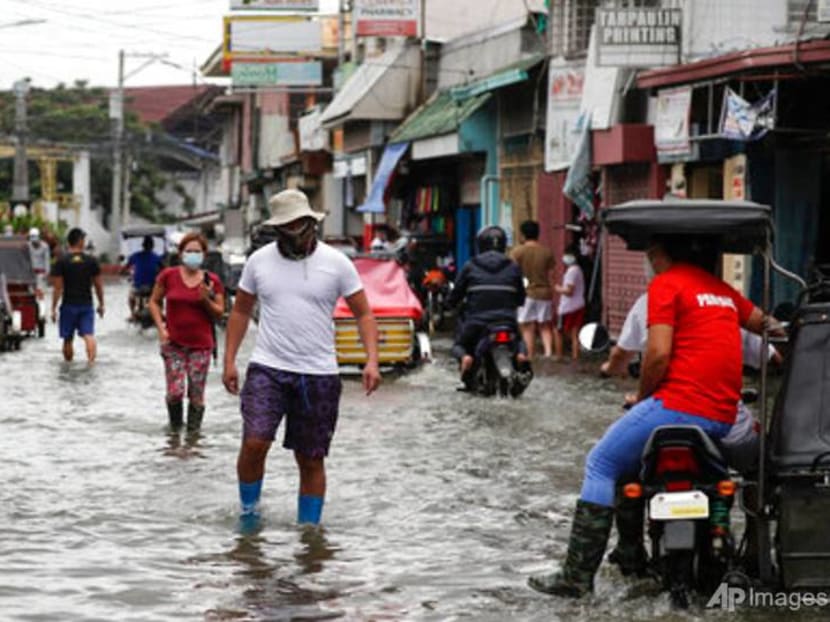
[565, 86]
[639, 37]
[671, 125]
[275, 5]
[387, 18]
[741, 120]
[277, 74]
[249, 36]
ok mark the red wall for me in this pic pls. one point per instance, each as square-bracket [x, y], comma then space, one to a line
[554, 212]
[623, 273]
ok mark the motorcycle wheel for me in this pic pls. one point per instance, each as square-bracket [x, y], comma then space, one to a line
[679, 570]
[504, 387]
[430, 311]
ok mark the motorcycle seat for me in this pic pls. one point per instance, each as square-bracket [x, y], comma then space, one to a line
[706, 450]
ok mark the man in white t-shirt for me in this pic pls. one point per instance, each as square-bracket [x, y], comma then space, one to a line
[293, 370]
[571, 310]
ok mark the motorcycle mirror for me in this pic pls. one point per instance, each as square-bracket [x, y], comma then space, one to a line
[594, 337]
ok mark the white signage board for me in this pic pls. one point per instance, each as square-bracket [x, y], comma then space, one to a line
[671, 124]
[275, 5]
[565, 86]
[638, 37]
[387, 18]
[266, 35]
[313, 137]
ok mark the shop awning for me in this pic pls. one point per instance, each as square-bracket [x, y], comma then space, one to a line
[442, 114]
[391, 156]
[445, 111]
[382, 88]
[756, 59]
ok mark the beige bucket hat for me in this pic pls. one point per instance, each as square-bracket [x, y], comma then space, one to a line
[290, 205]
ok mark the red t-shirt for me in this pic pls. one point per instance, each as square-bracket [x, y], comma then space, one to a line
[188, 322]
[704, 376]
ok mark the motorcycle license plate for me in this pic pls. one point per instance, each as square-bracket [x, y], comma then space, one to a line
[679, 505]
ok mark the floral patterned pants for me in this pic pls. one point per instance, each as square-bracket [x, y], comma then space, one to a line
[184, 365]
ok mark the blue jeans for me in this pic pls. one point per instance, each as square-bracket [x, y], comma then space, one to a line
[619, 450]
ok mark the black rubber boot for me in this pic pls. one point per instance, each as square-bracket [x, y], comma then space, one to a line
[175, 413]
[589, 537]
[630, 554]
[194, 416]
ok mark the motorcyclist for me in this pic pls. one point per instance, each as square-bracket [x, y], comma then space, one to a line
[145, 265]
[492, 289]
[691, 374]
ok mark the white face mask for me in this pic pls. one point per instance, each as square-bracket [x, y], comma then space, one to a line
[193, 260]
[568, 260]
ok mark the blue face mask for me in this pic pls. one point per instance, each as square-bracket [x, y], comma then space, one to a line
[193, 260]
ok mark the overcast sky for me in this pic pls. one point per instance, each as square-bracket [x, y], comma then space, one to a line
[81, 38]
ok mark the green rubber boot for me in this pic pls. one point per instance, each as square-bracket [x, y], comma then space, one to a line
[630, 554]
[175, 414]
[589, 536]
[194, 416]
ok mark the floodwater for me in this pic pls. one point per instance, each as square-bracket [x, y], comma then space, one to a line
[440, 504]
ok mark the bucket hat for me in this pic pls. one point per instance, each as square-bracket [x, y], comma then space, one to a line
[290, 205]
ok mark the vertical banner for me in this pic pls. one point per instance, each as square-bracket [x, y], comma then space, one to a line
[565, 86]
[671, 126]
[387, 18]
[736, 268]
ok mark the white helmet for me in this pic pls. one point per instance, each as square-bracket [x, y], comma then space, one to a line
[34, 233]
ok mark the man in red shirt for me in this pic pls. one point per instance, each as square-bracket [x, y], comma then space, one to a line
[691, 374]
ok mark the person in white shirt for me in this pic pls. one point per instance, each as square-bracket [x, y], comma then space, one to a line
[571, 310]
[293, 370]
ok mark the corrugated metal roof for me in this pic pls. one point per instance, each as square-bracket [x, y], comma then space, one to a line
[440, 115]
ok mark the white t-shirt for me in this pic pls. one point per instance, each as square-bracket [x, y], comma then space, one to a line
[296, 303]
[634, 335]
[574, 302]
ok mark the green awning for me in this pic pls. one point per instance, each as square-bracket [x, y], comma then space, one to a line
[511, 74]
[440, 115]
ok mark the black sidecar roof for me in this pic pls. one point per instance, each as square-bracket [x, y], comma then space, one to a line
[743, 226]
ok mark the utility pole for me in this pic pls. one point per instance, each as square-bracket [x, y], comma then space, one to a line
[117, 117]
[341, 37]
[121, 211]
[20, 188]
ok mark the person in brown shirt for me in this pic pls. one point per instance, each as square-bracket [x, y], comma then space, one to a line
[537, 264]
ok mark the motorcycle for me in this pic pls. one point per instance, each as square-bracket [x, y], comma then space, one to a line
[141, 315]
[436, 286]
[496, 369]
[791, 489]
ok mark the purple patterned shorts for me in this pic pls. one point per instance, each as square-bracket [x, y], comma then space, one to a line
[310, 404]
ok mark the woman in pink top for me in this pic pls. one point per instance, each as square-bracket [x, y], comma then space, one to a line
[193, 299]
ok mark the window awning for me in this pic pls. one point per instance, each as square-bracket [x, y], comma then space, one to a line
[381, 89]
[391, 156]
[511, 74]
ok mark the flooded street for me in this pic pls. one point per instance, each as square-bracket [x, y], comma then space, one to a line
[440, 505]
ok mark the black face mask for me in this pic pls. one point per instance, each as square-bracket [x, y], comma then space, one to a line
[298, 244]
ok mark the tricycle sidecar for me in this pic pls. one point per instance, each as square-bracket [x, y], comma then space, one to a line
[22, 284]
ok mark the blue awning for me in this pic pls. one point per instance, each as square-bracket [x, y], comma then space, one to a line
[391, 155]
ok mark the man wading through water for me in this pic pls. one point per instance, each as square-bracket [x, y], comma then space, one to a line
[293, 370]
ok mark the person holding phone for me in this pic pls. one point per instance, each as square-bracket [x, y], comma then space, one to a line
[193, 299]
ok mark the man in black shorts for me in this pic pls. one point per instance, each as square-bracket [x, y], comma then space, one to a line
[74, 276]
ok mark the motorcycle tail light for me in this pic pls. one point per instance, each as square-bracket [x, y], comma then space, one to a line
[632, 491]
[676, 460]
[502, 336]
[726, 488]
[678, 485]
